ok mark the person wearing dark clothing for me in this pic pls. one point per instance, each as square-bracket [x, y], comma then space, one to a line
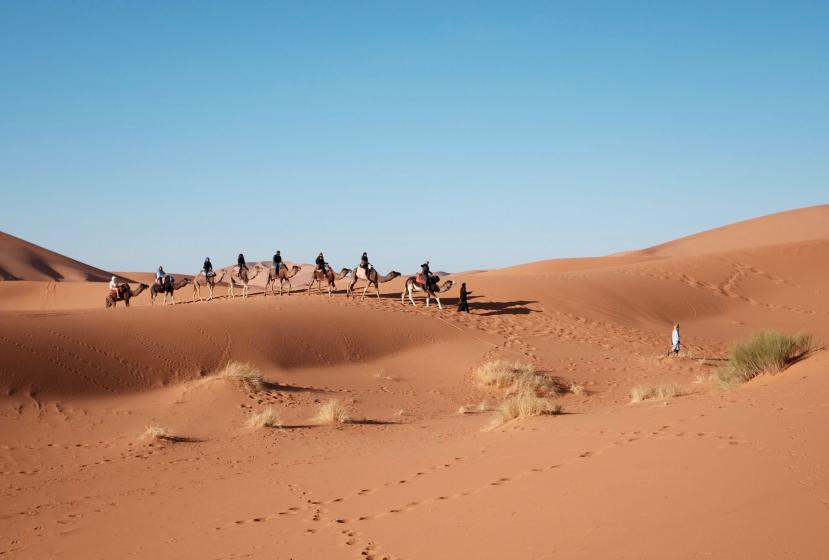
[464, 305]
[427, 274]
[321, 264]
[277, 261]
[241, 262]
[207, 267]
[364, 261]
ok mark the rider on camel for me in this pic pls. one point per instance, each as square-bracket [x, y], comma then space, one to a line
[364, 261]
[321, 264]
[241, 262]
[277, 261]
[427, 274]
[207, 267]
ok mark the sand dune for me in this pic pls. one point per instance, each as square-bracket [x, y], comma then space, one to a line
[21, 260]
[710, 473]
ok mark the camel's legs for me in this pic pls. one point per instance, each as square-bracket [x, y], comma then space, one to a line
[438, 300]
[410, 290]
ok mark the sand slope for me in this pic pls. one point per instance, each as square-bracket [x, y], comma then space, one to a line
[21, 260]
[710, 474]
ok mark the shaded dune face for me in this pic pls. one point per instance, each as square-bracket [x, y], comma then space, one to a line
[100, 352]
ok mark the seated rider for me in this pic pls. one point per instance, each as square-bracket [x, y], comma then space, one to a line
[427, 274]
[364, 261]
[159, 276]
[277, 261]
[241, 262]
[115, 285]
[208, 267]
[321, 264]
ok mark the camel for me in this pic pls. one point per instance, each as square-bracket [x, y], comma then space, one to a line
[200, 280]
[371, 276]
[168, 287]
[284, 276]
[329, 277]
[413, 286]
[125, 295]
[242, 278]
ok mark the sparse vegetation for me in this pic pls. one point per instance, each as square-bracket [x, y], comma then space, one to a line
[576, 389]
[464, 410]
[764, 352]
[523, 405]
[157, 433]
[516, 378]
[268, 418]
[332, 412]
[661, 391]
[246, 375]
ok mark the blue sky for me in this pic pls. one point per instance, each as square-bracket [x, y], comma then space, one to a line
[476, 134]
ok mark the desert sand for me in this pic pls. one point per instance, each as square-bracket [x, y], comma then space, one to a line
[711, 473]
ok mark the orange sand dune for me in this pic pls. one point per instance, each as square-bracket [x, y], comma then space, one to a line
[21, 260]
[741, 473]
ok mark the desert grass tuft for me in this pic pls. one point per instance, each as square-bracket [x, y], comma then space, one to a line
[332, 412]
[268, 418]
[576, 389]
[661, 391]
[522, 405]
[516, 378]
[246, 375]
[157, 433]
[764, 352]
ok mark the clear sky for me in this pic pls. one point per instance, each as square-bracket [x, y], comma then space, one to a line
[476, 134]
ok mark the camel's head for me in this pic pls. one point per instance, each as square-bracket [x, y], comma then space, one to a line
[296, 268]
[394, 274]
[143, 286]
[448, 285]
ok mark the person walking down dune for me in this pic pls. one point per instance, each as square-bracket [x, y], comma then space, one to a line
[464, 304]
[675, 340]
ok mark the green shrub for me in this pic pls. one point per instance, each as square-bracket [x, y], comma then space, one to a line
[764, 352]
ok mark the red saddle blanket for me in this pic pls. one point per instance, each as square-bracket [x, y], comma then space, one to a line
[420, 279]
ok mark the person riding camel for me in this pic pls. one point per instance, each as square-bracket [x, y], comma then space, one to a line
[241, 262]
[207, 267]
[427, 274]
[159, 276]
[277, 261]
[116, 286]
[321, 264]
[364, 261]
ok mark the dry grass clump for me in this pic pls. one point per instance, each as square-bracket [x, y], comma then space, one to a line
[332, 412]
[764, 352]
[576, 389]
[246, 375]
[268, 418]
[662, 391]
[157, 433]
[516, 378]
[523, 405]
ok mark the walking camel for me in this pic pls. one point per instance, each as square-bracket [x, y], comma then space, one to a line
[431, 291]
[124, 294]
[329, 277]
[241, 277]
[370, 276]
[283, 276]
[210, 282]
[168, 287]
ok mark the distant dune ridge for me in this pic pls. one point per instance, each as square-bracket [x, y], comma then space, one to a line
[21, 260]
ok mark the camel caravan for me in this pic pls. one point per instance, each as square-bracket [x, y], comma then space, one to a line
[241, 276]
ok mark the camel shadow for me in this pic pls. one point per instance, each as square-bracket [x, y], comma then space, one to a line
[490, 308]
